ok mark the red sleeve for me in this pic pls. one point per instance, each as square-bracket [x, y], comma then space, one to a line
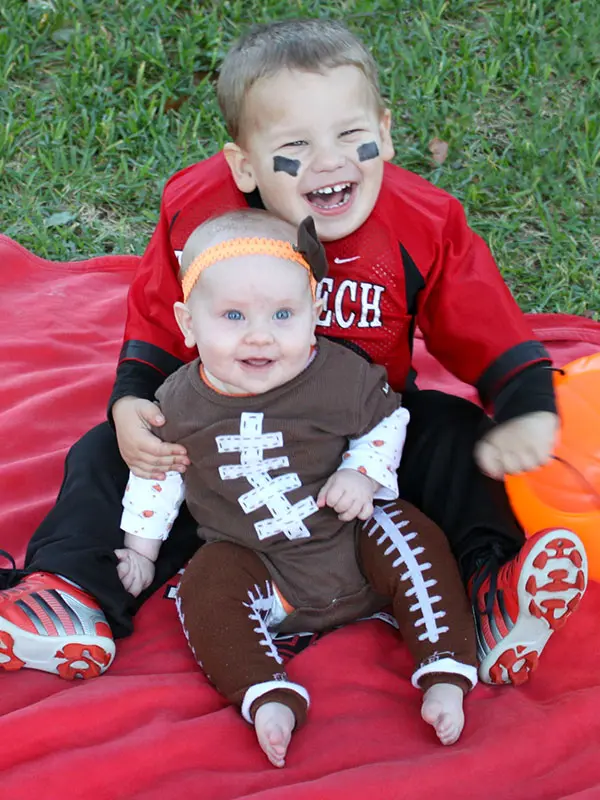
[154, 290]
[468, 317]
[190, 197]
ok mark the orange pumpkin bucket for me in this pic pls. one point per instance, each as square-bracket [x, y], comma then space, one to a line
[565, 493]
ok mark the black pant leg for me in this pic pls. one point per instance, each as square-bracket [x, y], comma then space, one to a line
[78, 537]
[438, 474]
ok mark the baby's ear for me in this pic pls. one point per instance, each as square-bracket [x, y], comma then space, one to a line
[240, 167]
[184, 320]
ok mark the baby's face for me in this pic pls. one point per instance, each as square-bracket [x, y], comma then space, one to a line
[315, 144]
[253, 321]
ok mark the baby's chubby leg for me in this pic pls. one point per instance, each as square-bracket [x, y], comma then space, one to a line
[223, 601]
[406, 557]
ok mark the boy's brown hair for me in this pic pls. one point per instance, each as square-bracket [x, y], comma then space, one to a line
[308, 45]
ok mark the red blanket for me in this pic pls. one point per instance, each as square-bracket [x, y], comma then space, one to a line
[152, 727]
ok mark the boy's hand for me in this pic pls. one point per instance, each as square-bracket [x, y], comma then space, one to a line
[135, 570]
[518, 445]
[143, 452]
[350, 493]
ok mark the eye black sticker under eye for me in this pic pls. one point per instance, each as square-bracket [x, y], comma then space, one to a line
[289, 165]
[367, 151]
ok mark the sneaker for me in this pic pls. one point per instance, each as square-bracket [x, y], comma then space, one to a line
[518, 608]
[47, 623]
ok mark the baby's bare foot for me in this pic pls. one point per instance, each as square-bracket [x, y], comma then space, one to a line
[274, 724]
[443, 709]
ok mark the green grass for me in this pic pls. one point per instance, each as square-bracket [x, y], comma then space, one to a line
[100, 102]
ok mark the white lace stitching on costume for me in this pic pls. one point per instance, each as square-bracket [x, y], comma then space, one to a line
[260, 606]
[400, 543]
[185, 630]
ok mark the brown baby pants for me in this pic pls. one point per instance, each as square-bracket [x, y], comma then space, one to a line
[230, 610]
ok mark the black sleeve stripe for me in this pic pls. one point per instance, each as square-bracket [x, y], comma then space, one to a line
[134, 379]
[414, 281]
[528, 391]
[512, 361]
[150, 354]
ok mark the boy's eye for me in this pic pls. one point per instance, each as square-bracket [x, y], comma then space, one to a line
[233, 314]
[297, 143]
[351, 132]
[283, 313]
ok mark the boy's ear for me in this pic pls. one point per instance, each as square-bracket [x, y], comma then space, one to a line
[385, 126]
[240, 167]
[184, 320]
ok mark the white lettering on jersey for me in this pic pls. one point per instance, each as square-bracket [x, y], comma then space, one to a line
[372, 306]
[350, 287]
[323, 292]
[178, 254]
[336, 304]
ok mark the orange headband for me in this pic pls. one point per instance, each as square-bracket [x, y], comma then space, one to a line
[253, 246]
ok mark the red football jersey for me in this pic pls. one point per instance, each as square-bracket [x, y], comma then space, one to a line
[414, 261]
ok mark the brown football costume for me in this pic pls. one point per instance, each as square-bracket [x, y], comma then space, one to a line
[273, 560]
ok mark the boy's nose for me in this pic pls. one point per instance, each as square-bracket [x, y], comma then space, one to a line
[328, 159]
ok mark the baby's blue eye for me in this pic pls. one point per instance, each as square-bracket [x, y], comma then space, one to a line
[283, 313]
[234, 315]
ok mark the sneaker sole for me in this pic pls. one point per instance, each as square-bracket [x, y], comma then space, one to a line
[551, 584]
[68, 656]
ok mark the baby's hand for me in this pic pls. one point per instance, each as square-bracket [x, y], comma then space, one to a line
[143, 452]
[135, 570]
[518, 445]
[350, 493]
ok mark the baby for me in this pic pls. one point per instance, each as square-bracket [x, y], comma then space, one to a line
[291, 438]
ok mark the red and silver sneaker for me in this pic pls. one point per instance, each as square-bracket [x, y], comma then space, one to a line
[518, 609]
[46, 623]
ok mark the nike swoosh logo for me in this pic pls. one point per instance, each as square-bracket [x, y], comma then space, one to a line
[345, 260]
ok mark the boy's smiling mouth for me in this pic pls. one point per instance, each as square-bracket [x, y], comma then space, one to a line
[332, 198]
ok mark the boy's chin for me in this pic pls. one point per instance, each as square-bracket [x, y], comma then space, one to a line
[330, 229]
